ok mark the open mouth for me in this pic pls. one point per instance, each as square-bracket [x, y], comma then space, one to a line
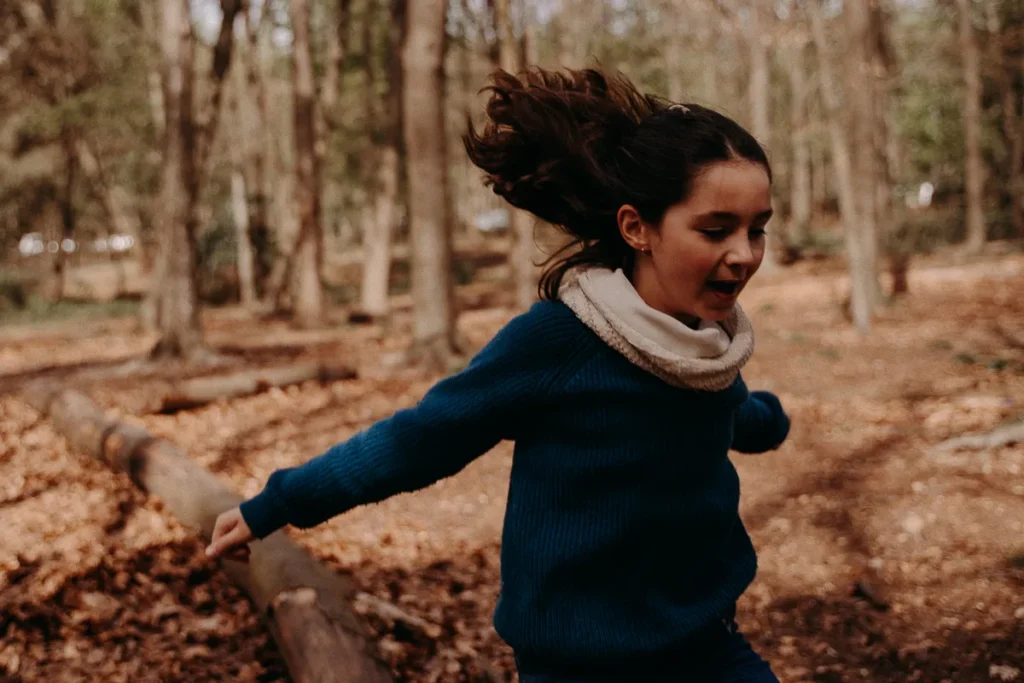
[725, 287]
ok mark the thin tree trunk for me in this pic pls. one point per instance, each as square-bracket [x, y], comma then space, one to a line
[47, 220]
[878, 73]
[819, 169]
[521, 255]
[309, 299]
[864, 111]
[800, 186]
[760, 103]
[307, 605]
[239, 201]
[327, 110]
[975, 169]
[861, 276]
[67, 211]
[154, 88]
[377, 267]
[256, 146]
[674, 47]
[528, 48]
[426, 172]
[335, 59]
[1012, 122]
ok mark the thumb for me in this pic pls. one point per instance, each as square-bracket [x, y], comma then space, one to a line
[224, 536]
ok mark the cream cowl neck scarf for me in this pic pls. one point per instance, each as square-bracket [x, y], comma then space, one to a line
[707, 358]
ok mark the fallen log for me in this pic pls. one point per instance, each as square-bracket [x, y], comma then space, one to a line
[198, 391]
[308, 606]
[1001, 436]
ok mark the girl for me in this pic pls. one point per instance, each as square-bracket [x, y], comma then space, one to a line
[623, 553]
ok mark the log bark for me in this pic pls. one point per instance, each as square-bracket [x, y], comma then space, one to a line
[199, 391]
[307, 604]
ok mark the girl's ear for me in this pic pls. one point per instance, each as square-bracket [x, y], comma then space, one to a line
[633, 229]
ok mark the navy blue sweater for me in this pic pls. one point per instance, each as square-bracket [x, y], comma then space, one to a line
[622, 535]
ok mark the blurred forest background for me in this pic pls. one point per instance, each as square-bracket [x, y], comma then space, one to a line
[235, 232]
[273, 154]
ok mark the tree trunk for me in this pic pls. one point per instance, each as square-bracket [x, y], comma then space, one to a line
[174, 281]
[521, 256]
[426, 172]
[377, 267]
[239, 201]
[327, 118]
[47, 220]
[975, 170]
[879, 60]
[309, 298]
[255, 99]
[154, 87]
[306, 603]
[861, 275]
[760, 102]
[335, 59]
[819, 168]
[186, 149]
[800, 185]
[865, 112]
[674, 54]
[1013, 124]
[529, 54]
[280, 148]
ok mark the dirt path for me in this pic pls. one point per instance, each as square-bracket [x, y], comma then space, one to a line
[97, 583]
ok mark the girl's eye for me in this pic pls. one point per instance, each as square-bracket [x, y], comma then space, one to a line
[716, 234]
[758, 233]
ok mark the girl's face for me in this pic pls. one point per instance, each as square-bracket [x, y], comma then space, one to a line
[694, 265]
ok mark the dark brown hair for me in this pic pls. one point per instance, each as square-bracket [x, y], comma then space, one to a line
[571, 147]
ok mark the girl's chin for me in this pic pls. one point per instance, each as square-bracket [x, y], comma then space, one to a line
[718, 312]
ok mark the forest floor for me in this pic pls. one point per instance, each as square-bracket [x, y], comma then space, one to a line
[882, 556]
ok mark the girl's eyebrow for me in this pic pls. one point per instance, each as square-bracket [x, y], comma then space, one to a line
[732, 217]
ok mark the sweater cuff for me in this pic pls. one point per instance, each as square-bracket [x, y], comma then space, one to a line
[263, 514]
[781, 420]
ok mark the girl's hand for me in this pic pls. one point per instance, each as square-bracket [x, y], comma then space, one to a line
[231, 536]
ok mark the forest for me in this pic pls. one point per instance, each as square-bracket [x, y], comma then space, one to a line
[235, 232]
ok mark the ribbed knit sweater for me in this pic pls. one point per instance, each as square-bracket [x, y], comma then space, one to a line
[622, 535]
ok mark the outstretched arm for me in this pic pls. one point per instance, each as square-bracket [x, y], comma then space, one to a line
[760, 424]
[459, 419]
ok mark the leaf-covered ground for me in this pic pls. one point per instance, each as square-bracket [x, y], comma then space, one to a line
[882, 557]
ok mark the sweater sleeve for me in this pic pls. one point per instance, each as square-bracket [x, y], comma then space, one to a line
[459, 419]
[760, 424]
